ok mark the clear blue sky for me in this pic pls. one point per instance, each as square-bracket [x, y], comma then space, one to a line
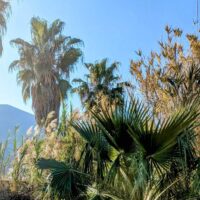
[109, 28]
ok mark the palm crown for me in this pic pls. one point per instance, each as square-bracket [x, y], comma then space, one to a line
[101, 82]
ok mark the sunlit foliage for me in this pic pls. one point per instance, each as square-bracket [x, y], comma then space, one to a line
[44, 66]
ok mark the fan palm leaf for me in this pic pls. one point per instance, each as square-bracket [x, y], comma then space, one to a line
[66, 181]
[145, 147]
[96, 148]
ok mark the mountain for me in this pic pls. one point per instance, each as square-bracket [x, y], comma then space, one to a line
[10, 117]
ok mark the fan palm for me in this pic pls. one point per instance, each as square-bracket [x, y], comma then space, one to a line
[145, 149]
[108, 192]
[101, 83]
[131, 151]
[97, 150]
[44, 66]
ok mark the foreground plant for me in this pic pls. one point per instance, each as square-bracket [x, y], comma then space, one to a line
[4, 158]
[17, 174]
[130, 149]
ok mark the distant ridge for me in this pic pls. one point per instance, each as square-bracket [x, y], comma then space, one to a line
[11, 117]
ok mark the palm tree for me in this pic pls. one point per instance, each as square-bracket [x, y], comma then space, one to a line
[44, 66]
[146, 150]
[101, 83]
[4, 13]
[131, 154]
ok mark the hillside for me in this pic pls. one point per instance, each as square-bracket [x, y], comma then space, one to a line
[11, 117]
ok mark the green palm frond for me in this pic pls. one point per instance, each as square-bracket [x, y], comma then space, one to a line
[66, 181]
[69, 59]
[144, 144]
[56, 28]
[116, 121]
[101, 194]
[74, 41]
[21, 43]
[96, 148]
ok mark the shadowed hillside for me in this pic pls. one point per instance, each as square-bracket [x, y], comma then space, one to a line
[11, 117]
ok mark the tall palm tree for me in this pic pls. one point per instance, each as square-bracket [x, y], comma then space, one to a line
[4, 13]
[101, 83]
[44, 66]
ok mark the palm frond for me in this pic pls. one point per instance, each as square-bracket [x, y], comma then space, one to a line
[66, 181]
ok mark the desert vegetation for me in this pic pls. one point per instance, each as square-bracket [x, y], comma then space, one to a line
[119, 146]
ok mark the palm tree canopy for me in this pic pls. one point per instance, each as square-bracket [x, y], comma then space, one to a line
[101, 81]
[45, 64]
